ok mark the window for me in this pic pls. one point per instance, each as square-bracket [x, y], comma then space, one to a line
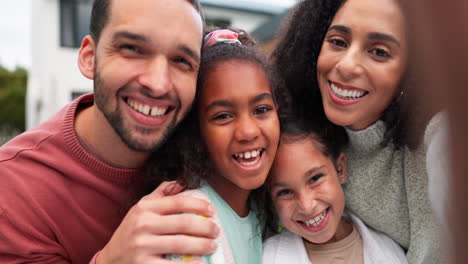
[74, 21]
[218, 22]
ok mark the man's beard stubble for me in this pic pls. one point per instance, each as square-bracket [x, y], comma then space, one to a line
[116, 121]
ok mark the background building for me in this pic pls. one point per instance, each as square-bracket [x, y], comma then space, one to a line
[59, 25]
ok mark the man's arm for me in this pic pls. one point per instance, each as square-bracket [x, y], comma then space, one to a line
[154, 227]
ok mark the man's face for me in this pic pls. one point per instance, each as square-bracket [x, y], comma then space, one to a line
[145, 69]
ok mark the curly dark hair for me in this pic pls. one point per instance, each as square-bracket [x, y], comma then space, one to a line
[101, 11]
[329, 138]
[184, 157]
[295, 58]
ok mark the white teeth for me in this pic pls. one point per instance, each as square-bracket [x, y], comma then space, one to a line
[346, 94]
[248, 154]
[317, 220]
[146, 109]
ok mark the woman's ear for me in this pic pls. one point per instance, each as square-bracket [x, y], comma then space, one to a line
[341, 168]
[86, 57]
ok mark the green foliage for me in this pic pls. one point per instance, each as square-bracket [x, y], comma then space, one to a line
[12, 99]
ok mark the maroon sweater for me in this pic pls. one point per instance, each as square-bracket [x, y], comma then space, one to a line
[58, 202]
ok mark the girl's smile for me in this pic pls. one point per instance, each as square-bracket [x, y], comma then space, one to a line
[306, 192]
[239, 126]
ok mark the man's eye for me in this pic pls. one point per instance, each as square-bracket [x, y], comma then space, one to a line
[130, 48]
[184, 62]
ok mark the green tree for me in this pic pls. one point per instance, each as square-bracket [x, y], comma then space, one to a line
[12, 99]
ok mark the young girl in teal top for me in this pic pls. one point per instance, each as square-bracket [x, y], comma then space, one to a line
[227, 145]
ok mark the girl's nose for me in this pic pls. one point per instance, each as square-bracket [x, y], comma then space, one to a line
[305, 202]
[247, 129]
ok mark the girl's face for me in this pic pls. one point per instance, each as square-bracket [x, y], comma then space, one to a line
[305, 189]
[362, 61]
[239, 125]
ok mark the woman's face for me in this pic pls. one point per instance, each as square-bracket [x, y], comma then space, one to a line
[362, 61]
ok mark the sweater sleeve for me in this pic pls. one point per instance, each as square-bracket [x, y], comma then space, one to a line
[20, 243]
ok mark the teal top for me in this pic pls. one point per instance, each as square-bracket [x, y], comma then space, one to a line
[243, 233]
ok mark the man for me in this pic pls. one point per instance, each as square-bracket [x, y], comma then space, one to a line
[69, 183]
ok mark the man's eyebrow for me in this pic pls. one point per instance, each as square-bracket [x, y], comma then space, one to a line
[382, 36]
[340, 28]
[219, 103]
[260, 97]
[190, 52]
[129, 35]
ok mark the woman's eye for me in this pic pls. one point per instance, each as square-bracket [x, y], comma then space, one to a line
[262, 109]
[315, 178]
[338, 42]
[380, 53]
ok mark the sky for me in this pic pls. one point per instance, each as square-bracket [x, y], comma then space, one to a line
[15, 31]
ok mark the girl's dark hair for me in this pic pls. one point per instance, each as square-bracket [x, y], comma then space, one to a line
[184, 157]
[329, 138]
[295, 59]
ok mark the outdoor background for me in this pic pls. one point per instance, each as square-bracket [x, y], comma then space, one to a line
[15, 61]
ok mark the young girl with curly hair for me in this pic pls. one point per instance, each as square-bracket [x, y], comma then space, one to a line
[225, 148]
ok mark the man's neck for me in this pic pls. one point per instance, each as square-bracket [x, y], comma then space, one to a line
[92, 127]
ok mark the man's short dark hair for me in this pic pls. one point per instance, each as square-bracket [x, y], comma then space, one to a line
[100, 16]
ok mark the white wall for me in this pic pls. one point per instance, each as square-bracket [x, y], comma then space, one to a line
[54, 73]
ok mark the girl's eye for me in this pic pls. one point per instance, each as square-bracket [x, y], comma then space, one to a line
[283, 193]
[337, 42]
[262, 109]
[222, 116]
[315, 178]
[381, 53]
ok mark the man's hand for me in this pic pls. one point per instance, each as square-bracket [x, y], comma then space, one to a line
[155, 227]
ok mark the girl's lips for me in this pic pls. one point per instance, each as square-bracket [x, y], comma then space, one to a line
[356, 94]
[251, 163]
[323, 223]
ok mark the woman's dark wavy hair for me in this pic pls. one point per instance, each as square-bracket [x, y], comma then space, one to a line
[295, 58]
[329, 138]
[184, 157]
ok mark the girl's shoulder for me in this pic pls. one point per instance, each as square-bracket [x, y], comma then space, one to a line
[283, 248]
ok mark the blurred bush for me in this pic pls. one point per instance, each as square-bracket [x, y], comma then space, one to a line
[12, 102]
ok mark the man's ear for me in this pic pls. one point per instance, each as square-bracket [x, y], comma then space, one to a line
[341, 168]
[86, 57]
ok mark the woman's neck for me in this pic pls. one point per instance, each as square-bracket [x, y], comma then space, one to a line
[233, 195]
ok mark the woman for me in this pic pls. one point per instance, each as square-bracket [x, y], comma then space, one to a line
[349, 61]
